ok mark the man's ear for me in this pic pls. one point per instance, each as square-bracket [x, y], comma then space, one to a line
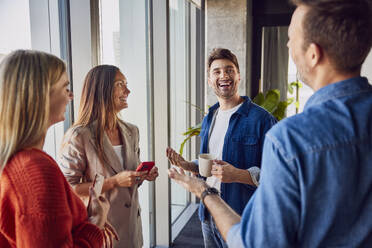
[314, 54]
[209, 81]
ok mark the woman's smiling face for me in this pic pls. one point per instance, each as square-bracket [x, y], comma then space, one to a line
[60, 95]
[121, 92]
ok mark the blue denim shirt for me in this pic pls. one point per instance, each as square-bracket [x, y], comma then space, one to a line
[242, 148]
[316, 176]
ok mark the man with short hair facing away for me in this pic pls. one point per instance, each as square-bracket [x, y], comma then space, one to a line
[316, 179]
[233, 132]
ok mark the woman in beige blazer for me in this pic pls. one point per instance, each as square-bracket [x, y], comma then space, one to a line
[100, 143]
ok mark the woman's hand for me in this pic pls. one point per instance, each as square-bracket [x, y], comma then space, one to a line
[97, 209]
[153, 174]
[109, 234]
[129, 178]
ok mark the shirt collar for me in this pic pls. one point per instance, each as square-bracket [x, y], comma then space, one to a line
[243, 110]
[337, 90]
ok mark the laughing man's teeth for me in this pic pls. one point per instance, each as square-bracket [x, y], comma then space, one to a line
[224, 83]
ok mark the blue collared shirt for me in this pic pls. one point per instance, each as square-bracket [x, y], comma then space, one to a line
[243, 144]
[316, 176]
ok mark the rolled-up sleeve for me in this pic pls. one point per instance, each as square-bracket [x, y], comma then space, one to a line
[196, 162]
[234, 238]
[255, 175]
[72, 159]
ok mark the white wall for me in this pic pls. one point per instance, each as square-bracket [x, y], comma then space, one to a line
[227, 27]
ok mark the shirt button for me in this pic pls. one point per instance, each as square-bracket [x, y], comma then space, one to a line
[127, 205]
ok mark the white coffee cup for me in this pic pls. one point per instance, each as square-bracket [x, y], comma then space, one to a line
[205, 164]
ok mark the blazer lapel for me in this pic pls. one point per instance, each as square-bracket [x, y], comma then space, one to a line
[111, 155]
[128, 146]
[114, 162]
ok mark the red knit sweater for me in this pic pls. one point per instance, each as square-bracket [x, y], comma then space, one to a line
[38, 207]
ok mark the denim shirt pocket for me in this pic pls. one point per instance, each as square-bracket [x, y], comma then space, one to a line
[246, 150]
[250, 140]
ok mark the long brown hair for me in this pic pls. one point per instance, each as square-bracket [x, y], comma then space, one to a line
[97, 103]
[26, 78]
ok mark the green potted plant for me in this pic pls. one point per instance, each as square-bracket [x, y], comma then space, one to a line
[271, 102]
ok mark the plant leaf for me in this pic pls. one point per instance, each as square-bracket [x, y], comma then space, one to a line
[296, 84]
[259, 99]
[197, 107]
[280, 111]
[271, 100]
[184, 142]
[193, 129]
[290, 88]
[290, 101]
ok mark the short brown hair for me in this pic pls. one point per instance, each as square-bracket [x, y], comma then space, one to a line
[341, 27]
[222, 53]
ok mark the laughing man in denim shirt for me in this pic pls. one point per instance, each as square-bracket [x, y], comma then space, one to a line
[316, 179]
[233, 132]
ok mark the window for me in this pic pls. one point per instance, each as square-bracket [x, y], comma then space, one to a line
[32, 25]
[124, 43]
[304, 93]
[179, 91]
[16, 34]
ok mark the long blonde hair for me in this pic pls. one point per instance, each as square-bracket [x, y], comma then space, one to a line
[25, 80]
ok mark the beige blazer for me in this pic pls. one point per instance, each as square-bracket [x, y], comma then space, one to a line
[79, 163]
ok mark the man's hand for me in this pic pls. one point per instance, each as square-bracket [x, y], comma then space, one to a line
[192, 184]
[228, 173]
[224, 171]
[222, 214]
[177, 160]
[153, 174]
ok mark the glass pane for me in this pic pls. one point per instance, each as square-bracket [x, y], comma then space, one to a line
[124, 43]
[15, 27]
[278, 70]
[178, 31]
[302, 94]
[274, 59]
[15, 30]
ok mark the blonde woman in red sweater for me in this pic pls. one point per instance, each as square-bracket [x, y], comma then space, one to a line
[37, 206]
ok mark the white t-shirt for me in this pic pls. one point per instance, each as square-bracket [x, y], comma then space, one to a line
[119, 152]
[219, 126]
